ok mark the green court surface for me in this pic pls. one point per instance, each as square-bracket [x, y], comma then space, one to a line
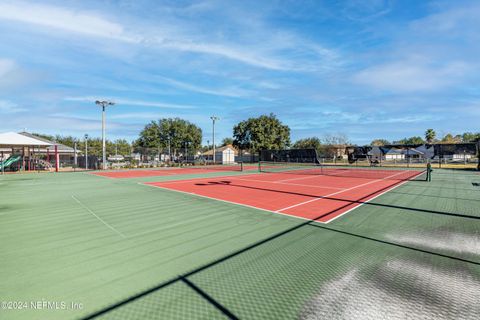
[118, 249]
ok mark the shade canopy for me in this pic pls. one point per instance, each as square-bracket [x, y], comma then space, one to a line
[15, 139]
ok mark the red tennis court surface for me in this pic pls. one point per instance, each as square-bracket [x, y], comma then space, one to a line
[312, 197]
[162, 172]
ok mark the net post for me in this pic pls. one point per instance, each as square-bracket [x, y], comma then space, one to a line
[440, 156]
[478, 154]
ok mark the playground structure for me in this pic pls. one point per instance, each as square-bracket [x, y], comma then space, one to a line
[12, 160]
[21, 153]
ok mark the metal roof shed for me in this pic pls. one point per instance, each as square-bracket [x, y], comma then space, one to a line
[12, 139]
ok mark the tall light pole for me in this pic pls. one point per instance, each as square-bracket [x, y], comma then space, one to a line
[169, 149]
[104, 104]
[208, 147]
[75, 162]
[86, 152]
[214, 118]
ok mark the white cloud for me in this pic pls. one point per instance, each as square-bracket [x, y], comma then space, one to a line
[366, 10]
[412, 75]
[454, 19]
[6, 66]
[139, 115]
[227, 51]
[9, 107]
[270, 52]
[226, 92]
[13, 76]
[63, 19]
[129, 102]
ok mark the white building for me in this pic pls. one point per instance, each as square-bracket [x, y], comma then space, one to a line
[224, 155]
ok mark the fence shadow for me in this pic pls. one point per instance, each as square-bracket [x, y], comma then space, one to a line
[309, 223]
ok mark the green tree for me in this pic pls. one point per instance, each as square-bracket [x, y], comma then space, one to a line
[308, 143]
[65, 140]
[44, 136]
[149, 137]
[411, 140]
[264, 132]
[120, 146]
[449, 138]
[94, 147]
[379, 142]
[415, 140]
[176, 131]
[470, 137]
[430, 135]
[226, 141]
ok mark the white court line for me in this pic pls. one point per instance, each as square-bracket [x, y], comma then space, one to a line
[138, 177]
[262, 209]
[290, 184]
[378, 195]
[96, 175]
[345, 174]
[302, 178]
[226, 201]
[100, 219]
[338, 192]
[207, 178]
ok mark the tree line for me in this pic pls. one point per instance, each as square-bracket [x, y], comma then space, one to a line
[430, 137]
[177, 135]
[253, 134]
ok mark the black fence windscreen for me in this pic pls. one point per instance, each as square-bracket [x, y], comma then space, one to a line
[290, 155]
[439, 153]
[451, 149]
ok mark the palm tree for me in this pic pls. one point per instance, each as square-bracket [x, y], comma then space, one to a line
[430, 135]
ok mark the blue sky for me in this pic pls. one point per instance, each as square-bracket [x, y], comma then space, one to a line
[367, 68]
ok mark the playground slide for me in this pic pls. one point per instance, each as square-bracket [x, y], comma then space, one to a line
[11, 160]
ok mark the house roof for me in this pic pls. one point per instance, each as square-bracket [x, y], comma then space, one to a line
[220, 149]
[16, 139]
[413, 151]
[394, 151]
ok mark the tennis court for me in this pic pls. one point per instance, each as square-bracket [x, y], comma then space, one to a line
[308, 192]
[122, 249]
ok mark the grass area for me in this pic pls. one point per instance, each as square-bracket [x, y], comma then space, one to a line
[75, 237]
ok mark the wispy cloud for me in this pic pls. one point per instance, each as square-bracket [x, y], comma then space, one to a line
[374, 68]
[267, 54]
[365, 10]
[129, 102]
[6, 66]
[81, 22]
[414, 75]
[10, 107]
[234, 92]
[454, 19]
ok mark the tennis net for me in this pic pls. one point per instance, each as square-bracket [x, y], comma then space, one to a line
[383, 173]
[220, 167]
